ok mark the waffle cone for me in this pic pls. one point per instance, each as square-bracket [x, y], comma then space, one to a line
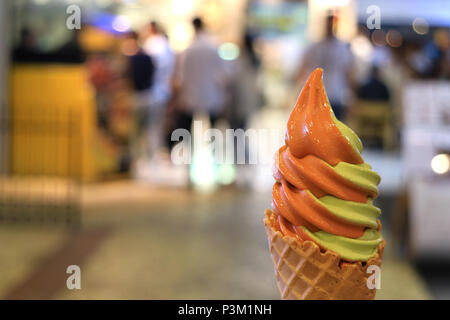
[303, 272]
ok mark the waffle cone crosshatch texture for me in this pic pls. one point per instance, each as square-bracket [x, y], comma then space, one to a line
[304, 272]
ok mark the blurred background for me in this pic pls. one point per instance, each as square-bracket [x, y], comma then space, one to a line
[91, 91]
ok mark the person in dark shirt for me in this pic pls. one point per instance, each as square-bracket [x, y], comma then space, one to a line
[70, 52]
[26, 50]
[141, 65]
[141, 70]
[374, 89]
[373, 93]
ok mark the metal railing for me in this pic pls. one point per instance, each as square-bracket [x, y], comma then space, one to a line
[40, 166]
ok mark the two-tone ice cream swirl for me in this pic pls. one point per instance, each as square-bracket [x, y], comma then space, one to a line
[324, 189]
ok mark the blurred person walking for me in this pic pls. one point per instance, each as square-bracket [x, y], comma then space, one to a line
[335, 57]
[141, 70]
[246, 86]
[100, 76]
[247, 99]
[157, 46]
[200, 80]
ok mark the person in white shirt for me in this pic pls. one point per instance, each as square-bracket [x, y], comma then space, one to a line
[201, 80]
[336, 59]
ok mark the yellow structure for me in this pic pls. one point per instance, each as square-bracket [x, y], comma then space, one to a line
[52, 121]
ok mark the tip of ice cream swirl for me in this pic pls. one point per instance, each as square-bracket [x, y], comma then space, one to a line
[324, 189]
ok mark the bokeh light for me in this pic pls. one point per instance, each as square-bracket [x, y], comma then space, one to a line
[441, 38]
[420, 26]
[379, 38]
[440, 163]
[121, 24]
[203, 171]
[180, 35]
[228, 51]
[226, 174]
[361, 47]
[394, 38]
[182, 7]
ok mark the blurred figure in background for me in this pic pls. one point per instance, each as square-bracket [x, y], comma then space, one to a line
[372, 116]
[141, 72]
[246, 85]
[335, 57]
[246, 88]
[71, 51]
[200, 80]
[157, 46]
[424, 60]
[100, 76]
[374, 88]
[26, 50]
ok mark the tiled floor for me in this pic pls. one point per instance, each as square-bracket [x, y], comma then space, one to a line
[165, 244]
[22, 249]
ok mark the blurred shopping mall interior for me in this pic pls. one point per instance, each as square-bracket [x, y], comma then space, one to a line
[93, 91]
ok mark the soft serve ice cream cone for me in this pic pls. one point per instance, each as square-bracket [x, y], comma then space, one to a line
[323, 229]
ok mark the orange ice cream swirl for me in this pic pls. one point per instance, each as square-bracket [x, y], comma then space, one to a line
[305, 169]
